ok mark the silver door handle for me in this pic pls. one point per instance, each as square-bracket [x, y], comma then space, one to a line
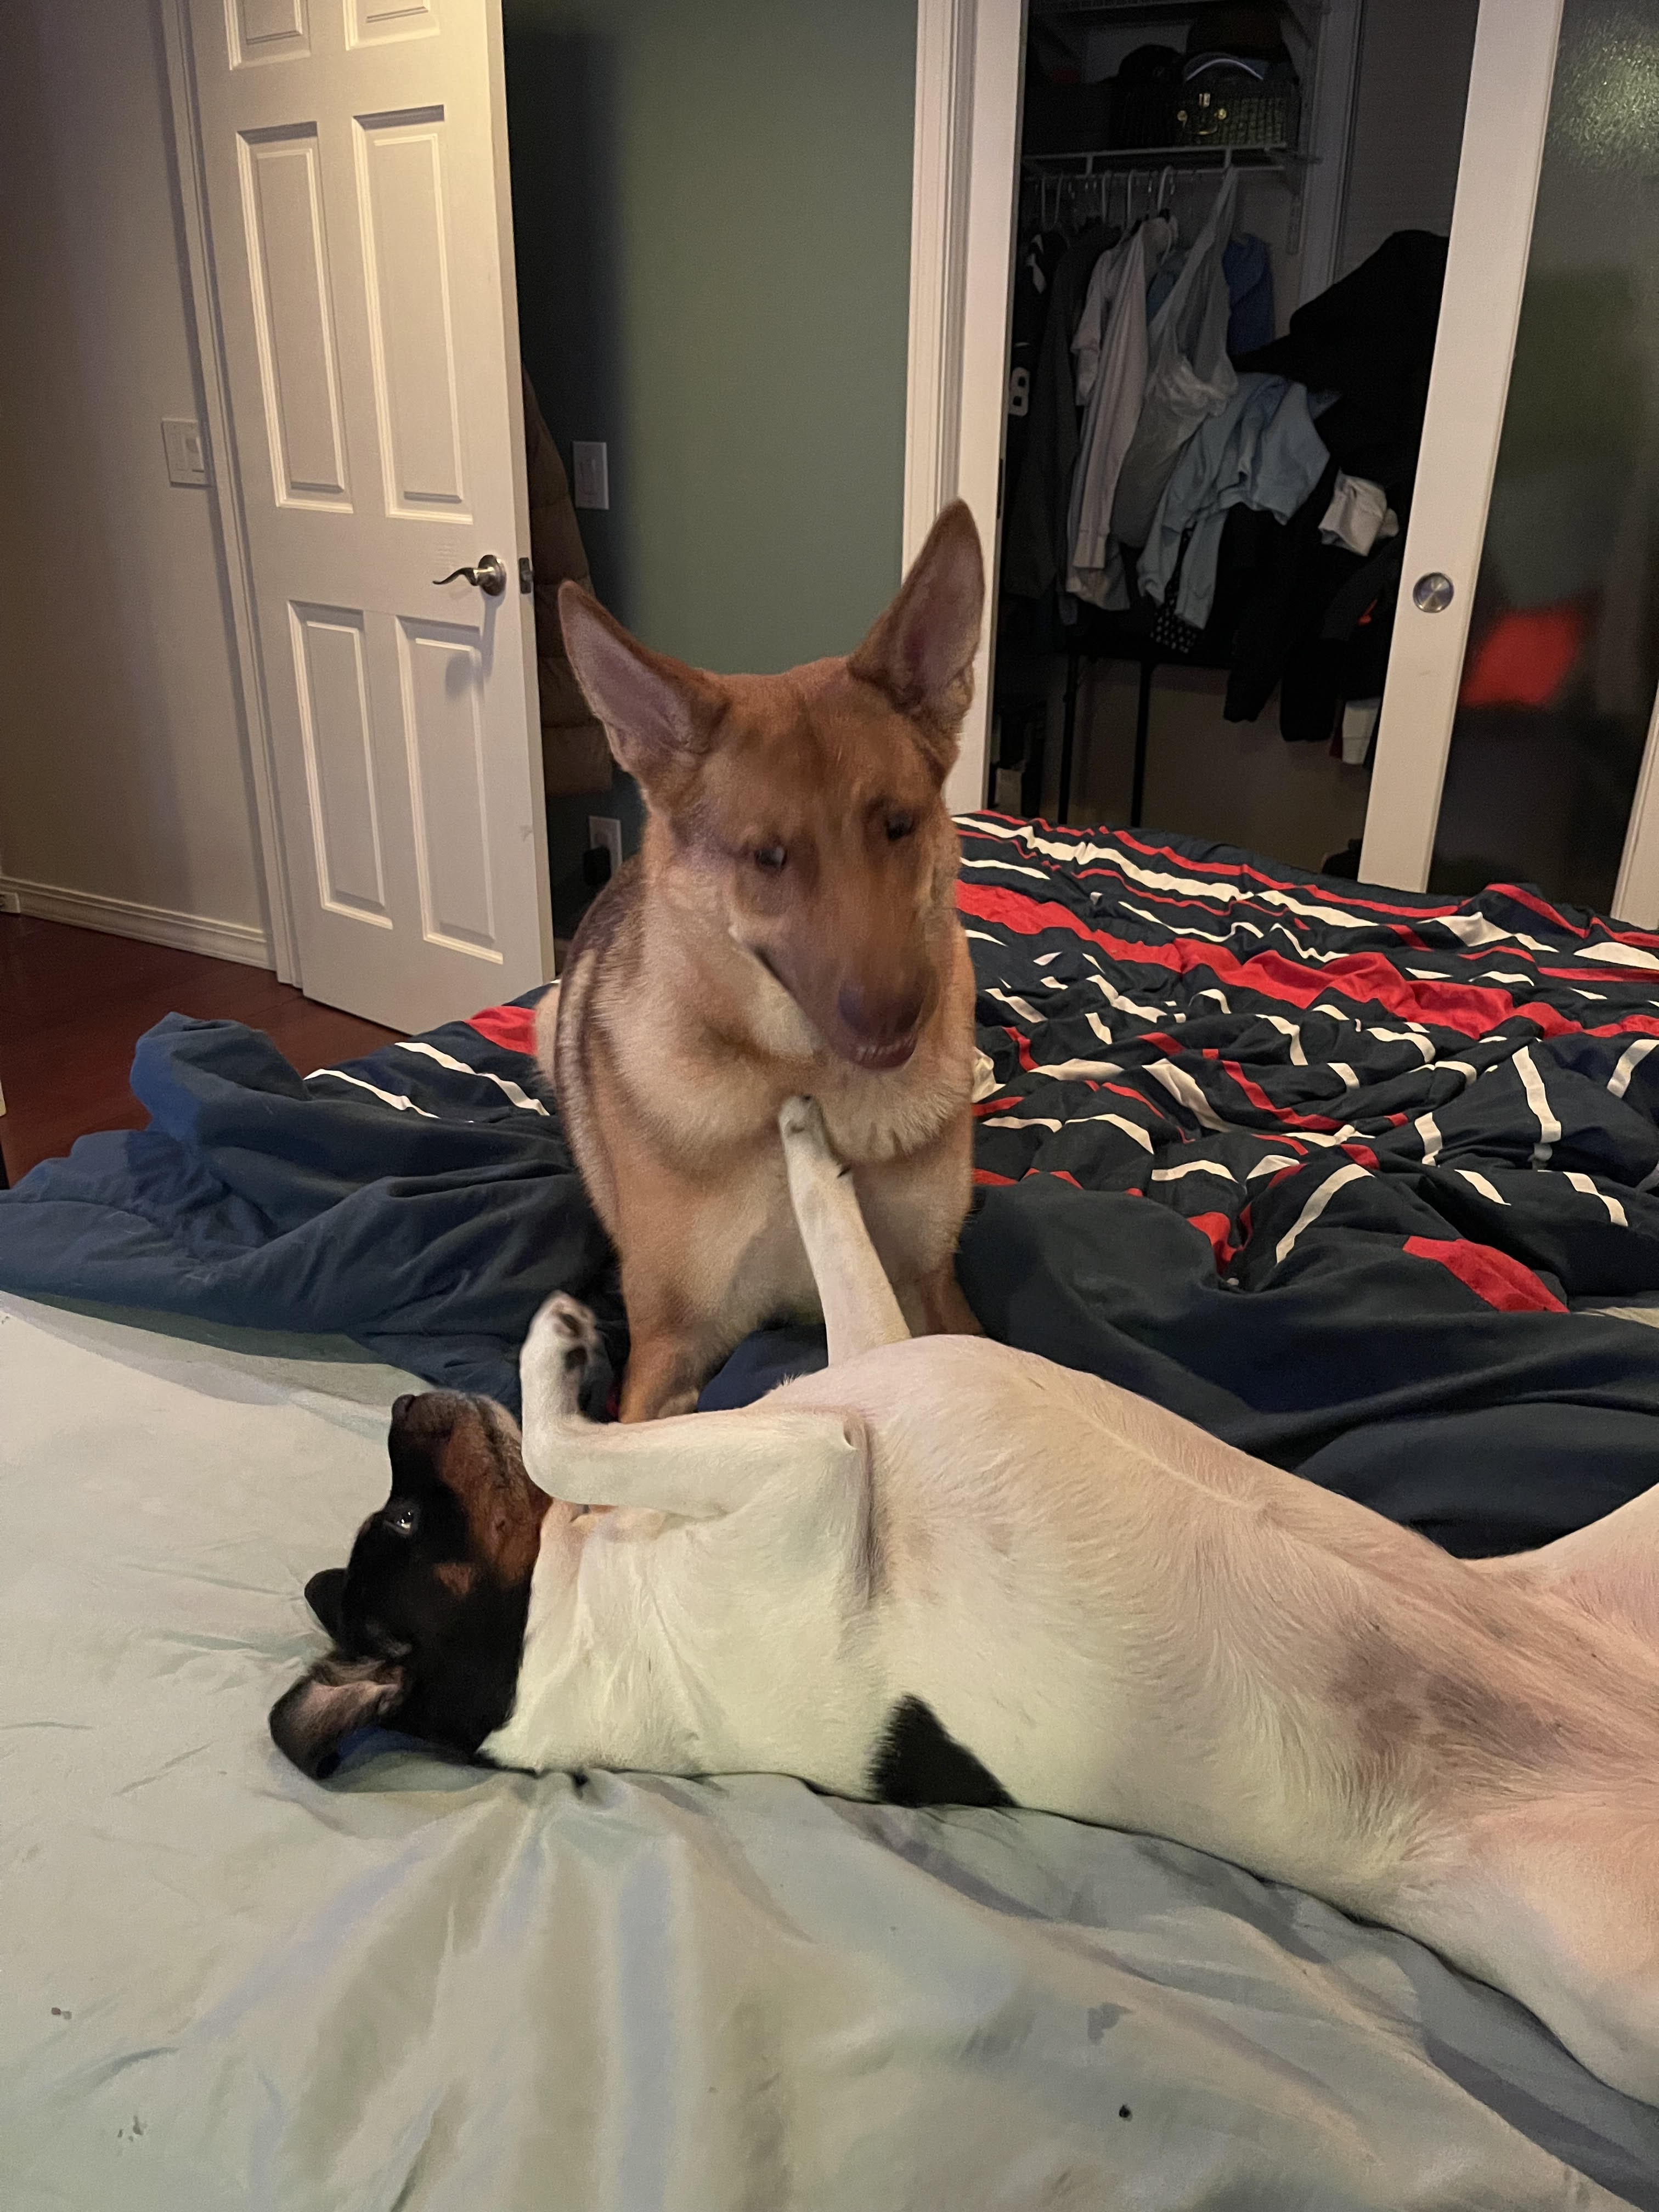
[489, 576]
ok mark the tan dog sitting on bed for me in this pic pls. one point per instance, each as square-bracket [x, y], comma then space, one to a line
[942, 1570]
[789, 925]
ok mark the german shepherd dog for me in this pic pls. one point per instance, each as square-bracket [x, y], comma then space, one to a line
[788, 925]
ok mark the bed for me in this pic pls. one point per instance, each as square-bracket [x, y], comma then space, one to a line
[1355, 1179]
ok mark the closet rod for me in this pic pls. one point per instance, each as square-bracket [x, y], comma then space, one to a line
[1197, 160]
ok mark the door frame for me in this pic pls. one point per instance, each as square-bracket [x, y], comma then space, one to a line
[235, 560]
[963, 195]
[1333, 100]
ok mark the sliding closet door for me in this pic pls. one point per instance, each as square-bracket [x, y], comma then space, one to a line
[1526, 658]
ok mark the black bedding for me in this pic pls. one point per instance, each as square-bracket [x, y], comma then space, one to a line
[1335, 1172]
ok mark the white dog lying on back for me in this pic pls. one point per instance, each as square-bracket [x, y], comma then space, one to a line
[942, 1570]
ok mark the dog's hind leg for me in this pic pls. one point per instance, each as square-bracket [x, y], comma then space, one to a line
[859, 1308]
[1610, 1569]
[697, 1465]
[1556, 1902]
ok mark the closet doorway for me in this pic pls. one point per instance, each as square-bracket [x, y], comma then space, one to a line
[1201, 602]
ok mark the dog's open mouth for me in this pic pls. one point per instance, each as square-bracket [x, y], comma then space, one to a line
[877, 1056]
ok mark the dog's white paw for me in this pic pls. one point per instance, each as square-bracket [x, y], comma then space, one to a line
[563, 1334]
[800, 1124]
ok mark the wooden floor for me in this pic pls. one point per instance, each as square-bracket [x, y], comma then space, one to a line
[73, 1003]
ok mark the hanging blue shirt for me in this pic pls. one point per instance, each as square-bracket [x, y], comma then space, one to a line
[1261, 451]
[1248, 269]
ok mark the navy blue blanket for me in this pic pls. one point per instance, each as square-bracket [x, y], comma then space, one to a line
[420, 1200]
[1333, 1171]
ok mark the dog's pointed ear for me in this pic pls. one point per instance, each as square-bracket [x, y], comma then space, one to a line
[921, 651]
[337, 1696]
[657, 713]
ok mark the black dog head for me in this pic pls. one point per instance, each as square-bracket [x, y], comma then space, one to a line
[428, 1619]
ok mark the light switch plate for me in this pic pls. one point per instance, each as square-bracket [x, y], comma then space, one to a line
[186, 450]
[606, 830]
[593, 472]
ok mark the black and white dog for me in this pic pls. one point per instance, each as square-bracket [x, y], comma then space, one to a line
[945, 1571]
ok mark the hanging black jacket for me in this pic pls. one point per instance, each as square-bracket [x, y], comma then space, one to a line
[1034, 536]
[1370, 340]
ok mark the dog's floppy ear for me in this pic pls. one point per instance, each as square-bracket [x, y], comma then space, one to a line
[657, 713]
[310, 1722]
[921, 651]
[323, 1594]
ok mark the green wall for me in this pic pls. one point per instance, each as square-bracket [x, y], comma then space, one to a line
[712, 214]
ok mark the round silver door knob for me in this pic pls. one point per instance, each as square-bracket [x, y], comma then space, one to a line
[1432, 593]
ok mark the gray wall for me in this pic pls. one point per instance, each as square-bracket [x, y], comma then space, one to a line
[712, 221]
[122, 768]
[1414, 61]
[712, 218]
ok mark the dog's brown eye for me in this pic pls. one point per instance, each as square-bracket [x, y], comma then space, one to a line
[899, 825]
[402, 1517]
[769, 859]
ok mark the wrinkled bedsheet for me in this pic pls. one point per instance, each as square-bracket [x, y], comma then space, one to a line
[426, 1987]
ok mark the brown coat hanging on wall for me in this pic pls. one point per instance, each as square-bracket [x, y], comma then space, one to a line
[574, 754]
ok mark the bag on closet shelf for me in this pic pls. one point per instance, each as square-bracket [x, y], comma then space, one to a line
[1142, 96]
[1188, 374]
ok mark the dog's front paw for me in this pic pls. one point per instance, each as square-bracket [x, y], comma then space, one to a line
[564, 1334]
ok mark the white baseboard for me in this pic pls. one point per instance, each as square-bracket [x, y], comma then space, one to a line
[152, 925]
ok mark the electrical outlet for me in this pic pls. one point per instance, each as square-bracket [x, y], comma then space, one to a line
[604, 830]
[186, 452]
[591, 470]
[10, 903]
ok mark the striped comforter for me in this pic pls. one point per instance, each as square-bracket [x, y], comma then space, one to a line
[1272, 1056]
[1350, 1176]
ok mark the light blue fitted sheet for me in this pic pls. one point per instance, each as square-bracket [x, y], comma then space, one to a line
[223, 1987]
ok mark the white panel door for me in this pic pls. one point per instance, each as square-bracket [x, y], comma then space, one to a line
[355, 161]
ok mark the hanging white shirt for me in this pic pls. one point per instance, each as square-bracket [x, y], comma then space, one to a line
[1358, 515]
[1110, 352]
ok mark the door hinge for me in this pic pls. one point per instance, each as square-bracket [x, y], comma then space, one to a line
[527, 574]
